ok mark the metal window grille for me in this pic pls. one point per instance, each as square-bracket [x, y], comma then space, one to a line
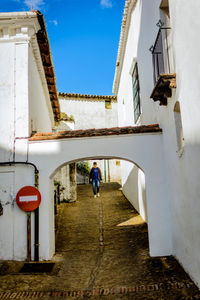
[136, 94]
[160, 54]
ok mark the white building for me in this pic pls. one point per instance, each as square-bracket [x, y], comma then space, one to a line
[90, 111]
[29, 103]
[165, 92]
[93, 111]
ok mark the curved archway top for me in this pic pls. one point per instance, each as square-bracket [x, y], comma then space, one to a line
[142, 145]
[93, 158]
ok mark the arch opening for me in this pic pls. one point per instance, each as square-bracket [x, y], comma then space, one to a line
[132, 188]
[135, 149]
[103, 157]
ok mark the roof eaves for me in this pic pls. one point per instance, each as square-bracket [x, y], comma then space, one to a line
[89, 97]
[128, 8]
[142, 129]
[45, 51]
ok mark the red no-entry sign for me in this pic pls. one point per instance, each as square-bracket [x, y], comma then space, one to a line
[28, 198]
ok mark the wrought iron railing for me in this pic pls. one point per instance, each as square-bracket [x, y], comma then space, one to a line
[161, 53]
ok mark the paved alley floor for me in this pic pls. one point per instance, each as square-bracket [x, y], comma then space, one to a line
[101, 253]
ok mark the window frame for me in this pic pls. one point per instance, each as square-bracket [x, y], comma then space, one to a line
[108, 104]
[136, 93]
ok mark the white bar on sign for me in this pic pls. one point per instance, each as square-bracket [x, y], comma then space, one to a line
[28, 198]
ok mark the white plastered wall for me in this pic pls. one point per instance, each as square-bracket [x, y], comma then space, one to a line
[91, 113]
[182, 167]
[40, 114]
[133, 187]
[7, 79]
[133, 181]
[51, 155]
[17, 92]
[16, 125]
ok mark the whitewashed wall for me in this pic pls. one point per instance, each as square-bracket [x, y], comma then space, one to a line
[7, 79]
[182, 167]
[114, 170]
[62, 176]
[89, 114]
[40, 114]
[133, 187]
[53, 154]
[184, 170]
[125, 92]
[14, 104]
[21, 99]
[130, 174]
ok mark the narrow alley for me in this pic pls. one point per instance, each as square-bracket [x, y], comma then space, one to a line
[101, 253]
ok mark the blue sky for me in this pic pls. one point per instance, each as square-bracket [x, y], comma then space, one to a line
[84, 37]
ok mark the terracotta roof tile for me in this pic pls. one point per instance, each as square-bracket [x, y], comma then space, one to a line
[96, 132]
[44, 46]
[90, 97]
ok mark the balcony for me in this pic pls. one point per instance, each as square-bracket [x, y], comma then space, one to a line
[163, 70]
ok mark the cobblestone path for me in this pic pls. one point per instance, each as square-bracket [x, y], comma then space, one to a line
[101, 253]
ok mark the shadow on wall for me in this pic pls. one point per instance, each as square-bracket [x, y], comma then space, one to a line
[133, 187]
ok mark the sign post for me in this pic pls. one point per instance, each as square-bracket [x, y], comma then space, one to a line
[28, 199]
[28, 236]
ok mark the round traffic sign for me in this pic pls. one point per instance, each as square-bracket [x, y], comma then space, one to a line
[28, 198]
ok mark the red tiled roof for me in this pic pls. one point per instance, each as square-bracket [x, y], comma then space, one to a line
[96, 132]
[44, 46]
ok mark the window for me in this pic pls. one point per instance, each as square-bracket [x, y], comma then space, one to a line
[136, 93]
[162, 48]
[179, 127]
[163, 60]
[108, 104]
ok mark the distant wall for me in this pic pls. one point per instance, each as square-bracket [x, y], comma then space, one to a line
[89, 113]
[92, 113]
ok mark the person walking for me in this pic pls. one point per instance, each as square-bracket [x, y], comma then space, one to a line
[95, 179]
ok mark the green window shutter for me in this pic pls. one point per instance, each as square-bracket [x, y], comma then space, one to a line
[136, 93]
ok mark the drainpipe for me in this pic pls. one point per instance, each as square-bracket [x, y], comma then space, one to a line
[36, 212]
[36, 223]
